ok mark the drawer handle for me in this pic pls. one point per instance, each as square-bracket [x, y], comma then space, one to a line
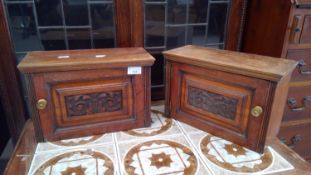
[292, 103]
[256, 111]
[41, 104]
[301, 64]
[294, 140]
[297, 30]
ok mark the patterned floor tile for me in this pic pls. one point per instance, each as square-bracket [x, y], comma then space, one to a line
[160, 126]
[227, 158]
[166, 155]
[189, 129]
[76, 142]
[167, 147]
[79, 161]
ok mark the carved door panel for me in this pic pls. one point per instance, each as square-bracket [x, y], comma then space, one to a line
[87, 102]
[220, 105]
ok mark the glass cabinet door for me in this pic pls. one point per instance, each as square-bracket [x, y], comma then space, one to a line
[60, 24]
[157, 25]
[172, 23]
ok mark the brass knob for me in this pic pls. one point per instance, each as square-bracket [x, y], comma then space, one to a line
[256, 111]
[41, 104]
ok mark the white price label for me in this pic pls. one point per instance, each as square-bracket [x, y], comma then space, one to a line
[134, 70]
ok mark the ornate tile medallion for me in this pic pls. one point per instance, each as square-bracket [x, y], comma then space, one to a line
[160, 124]
[160, 157]
[78, 163]
[233, 157]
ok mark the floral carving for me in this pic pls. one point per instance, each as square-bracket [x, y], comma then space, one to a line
[212, 102]
[85, 104]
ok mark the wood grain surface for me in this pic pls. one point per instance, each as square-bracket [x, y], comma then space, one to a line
[234, 62]
[48, 61]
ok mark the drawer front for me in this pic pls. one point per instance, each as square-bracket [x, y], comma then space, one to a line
[298, 138]
[305, 32]
[89, 102]
[303, 70]
[298, 103]
[300, 27]
[220, 103]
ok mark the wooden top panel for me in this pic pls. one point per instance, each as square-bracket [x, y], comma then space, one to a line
[235, 62]
[66, 60]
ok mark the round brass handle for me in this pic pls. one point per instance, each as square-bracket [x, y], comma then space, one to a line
[257, 111]
[41, 104]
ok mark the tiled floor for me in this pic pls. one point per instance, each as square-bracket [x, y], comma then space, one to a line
[167, 147]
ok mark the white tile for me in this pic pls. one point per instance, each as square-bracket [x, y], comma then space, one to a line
[252, 160]
[167, 146]
[89, 160]
[75, 143]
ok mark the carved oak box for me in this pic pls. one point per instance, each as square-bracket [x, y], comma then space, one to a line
[239, 97]
[86, 92]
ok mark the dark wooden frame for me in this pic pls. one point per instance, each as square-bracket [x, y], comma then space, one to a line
[10, 90]
[129, 23]
[236, 22]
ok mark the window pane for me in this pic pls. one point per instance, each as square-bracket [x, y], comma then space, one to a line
[79, 38]
[217, 23]
[53, 39]
[154, 25]
[103, 25]
[23, 28]
[49, 12]
[204, 20]
[175, 37]
[76, 12]
[155, 0]
[196, 35]
[198, 11]
[177, 11]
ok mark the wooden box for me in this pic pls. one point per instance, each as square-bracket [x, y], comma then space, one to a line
[239, 97]
[86, 92]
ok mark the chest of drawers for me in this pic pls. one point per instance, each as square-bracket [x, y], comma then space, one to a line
[87, 92]
[296, 125]
[236, 96]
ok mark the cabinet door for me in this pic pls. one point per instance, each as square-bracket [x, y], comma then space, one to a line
[88, 102]
[221, 103]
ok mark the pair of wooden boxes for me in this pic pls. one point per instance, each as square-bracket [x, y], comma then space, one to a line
[236, 96]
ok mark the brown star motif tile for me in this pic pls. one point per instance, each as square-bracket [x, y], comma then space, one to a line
[235, 150]
[78, 170]
[160, 160]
